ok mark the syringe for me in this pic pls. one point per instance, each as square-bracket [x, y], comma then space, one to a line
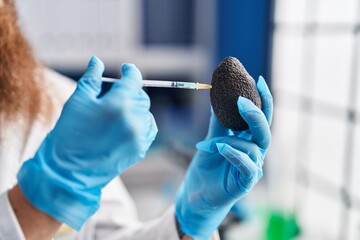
[166, 84]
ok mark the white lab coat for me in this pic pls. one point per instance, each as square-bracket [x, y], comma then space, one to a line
[116, 218]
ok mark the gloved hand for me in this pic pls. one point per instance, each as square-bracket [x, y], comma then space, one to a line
[94, 140]
[226, 167]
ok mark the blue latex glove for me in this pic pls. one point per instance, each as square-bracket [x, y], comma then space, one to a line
[226, 166]
[94, 140]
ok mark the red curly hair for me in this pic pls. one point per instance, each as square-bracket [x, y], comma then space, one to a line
[20, 92]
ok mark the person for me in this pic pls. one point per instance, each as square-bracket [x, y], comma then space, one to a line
[52, 173]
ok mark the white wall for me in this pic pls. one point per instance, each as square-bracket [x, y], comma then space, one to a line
[315, 157]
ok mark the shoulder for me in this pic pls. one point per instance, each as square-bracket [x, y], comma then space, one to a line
[57, 90]
[59, 87]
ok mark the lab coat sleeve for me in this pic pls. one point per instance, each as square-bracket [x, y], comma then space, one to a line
[162, 228]
[9, 226]
[117, 219]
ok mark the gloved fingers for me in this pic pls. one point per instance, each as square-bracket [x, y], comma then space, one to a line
[138, 102]
[215, 127]
[243, 145]
[266, 99]
[145, 133]
[246, 147]
[209, 145]
[146, 99]
[153, 129]
[128, 87]
[257, 122]
[243, 134]
[131, 79]
[248, 170]
[91, 79]
[134, 109]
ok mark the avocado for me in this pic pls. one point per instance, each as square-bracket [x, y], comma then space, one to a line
[229, 81]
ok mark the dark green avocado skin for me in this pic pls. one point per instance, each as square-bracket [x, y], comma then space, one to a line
[229, 81]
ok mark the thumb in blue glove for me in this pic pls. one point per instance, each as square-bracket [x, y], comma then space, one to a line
[226, 166]
[94, 140]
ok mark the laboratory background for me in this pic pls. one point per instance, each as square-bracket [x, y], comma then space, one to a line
[308, 52]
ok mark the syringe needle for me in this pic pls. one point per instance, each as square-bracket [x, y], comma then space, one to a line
[167, 84]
